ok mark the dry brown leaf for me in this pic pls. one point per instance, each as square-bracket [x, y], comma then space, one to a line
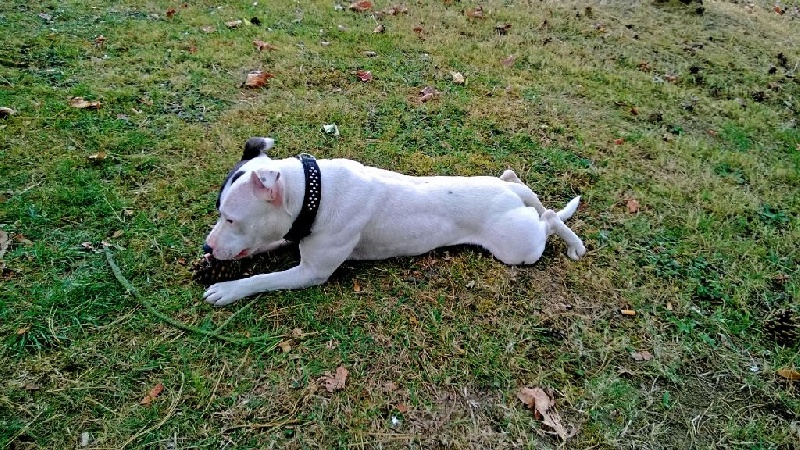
[23, 330]
[100, 40]
[82, 103]
[261, 45]
[402, 408]
[643, 355]
[390, 386]
[458, 78]
[356, 286]
[619, 141]
[361, 6]
[334, 382]
[97, 157]
[395, 10]
[171, 12]
[297, 333]
[285, 346]
[789, 374]
[234, 24]
[476, 13]
[633, 206]
[509, 61]
[155, 392]
[364, 75]
[538, 400]
[257, 79]
[379, 29]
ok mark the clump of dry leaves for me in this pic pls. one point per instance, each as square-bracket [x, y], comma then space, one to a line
[334, 382]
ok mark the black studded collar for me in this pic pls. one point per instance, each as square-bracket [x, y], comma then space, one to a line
[313, 194]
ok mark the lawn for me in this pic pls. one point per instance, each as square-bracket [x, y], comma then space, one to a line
[677, 124]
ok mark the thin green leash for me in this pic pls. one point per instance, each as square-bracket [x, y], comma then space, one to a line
[177, 324]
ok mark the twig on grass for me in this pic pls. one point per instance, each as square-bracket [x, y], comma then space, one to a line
[177, 324]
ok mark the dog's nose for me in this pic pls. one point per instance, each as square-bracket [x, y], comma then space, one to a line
[207, 248]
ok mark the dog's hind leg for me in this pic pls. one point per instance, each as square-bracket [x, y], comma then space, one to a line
[510, 176]
[555, 225]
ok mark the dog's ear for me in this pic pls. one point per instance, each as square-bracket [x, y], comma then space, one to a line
[267, 185]
[257, 146]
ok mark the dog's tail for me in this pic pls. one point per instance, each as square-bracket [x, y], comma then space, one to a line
[570, 209]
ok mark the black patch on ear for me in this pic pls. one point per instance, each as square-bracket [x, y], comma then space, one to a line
[253, 148]
[232, 176]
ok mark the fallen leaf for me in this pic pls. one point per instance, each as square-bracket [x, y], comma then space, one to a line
[97, 157]
[261, 45]
[257, 79]
[364, 75]
[671, 78]
[627, 312]
[779, 10]
[633, 206]
[789, 374]
[458, 78]
[379, 29]
[208, 29]
[334, 382]
[644, 66]
[82, 103]
[540, 402]
[6, 111]
[171, 12]
[644, 355]
[361, 6]
[297, 333]
[234, 24]
[285, 346]
[619, 141]
[669, 306]
[22, 240]
[402, 408]
[100, 40]
[395, 10]
[155, 392]
[390, 386]
[4, 241]
[476, 13]
[420, 32]
[23, 330]
[509, 61]
[356, 286]
[634, 111]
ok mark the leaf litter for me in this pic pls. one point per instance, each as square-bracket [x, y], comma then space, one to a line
[542, 405]
[153, 394]
[257, 79]
[334, 382]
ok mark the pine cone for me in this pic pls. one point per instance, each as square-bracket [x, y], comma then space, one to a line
[208, 270]
[783, 325]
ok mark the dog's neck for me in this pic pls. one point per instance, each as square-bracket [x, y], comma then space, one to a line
[304, 220]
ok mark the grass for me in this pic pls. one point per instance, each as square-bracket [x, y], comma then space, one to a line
[442, 341]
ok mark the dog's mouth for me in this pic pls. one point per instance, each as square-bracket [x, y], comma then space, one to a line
[242, 254]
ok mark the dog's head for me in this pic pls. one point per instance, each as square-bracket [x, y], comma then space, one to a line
[252, 210]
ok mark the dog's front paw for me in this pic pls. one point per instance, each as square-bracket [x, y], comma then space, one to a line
[576, 252]
[225, 293]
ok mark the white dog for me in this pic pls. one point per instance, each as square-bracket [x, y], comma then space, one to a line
[339, 209]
